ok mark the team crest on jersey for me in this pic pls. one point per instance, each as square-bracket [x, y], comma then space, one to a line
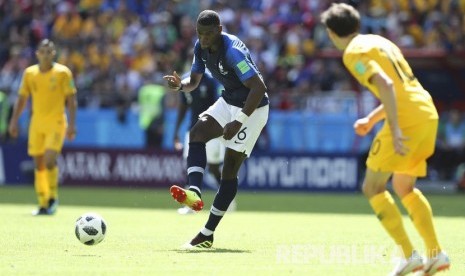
[360, 68]
[220, 67]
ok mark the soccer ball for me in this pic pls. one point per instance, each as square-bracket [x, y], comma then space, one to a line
[90, 229]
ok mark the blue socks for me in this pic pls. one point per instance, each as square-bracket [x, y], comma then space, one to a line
[223, 198]
[196, 163]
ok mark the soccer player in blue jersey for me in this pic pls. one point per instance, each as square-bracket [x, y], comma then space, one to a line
[238, 117]
[199, 100]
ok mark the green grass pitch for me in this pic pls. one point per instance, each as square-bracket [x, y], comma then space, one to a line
[270, 234]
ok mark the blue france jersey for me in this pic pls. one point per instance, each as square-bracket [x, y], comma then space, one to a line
[231, 65]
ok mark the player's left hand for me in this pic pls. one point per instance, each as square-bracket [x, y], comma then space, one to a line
[71, 132]
[362, 126]
[231, 129]
[174, 81]
[13, 129]
[177, 144]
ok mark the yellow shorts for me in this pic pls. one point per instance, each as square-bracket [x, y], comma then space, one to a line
[421, 142]
[46, 135]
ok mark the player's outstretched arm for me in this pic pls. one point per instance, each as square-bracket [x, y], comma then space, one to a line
[257, 91]
[364, 125]
[388, 99]
[20, 104]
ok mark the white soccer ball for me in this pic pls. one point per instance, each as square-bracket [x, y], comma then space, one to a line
[90, 229]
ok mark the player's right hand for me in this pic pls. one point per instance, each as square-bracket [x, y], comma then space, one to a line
[174, 81]
[398, 140]
[231, 129]
[13, 130]
[177, 144]
[362, 126]
[71, 132]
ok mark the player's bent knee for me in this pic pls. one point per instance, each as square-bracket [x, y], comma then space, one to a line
[229, 175]
[198, 134]
[366, 191]
[214, 169]
[50, 165]
[230, 170]
[371, 190]
[50, 162]
[402, 191]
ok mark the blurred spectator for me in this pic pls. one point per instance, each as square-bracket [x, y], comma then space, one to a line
[67, 26]
[90, 4]
[118, 40]
[11, 72]
[450, 147]
[151, 104]
[4, 115]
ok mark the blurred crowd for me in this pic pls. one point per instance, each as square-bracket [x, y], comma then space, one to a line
[448, 161]
[113, 47]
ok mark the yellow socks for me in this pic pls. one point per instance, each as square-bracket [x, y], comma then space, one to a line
[42, 188]
[389, 215]
[53, 182]
[420, 213]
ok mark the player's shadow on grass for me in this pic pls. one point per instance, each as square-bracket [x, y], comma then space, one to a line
[212, 250]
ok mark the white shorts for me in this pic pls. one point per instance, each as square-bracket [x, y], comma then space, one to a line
[244, 141]
[215, 150]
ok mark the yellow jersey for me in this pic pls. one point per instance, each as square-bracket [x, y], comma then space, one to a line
[48, 90]
[369, 54]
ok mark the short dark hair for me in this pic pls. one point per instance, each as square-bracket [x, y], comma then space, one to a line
[46, 42]
[342, 19]
[208, 18]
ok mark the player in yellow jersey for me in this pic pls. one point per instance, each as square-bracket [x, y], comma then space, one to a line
[406, 140]
[50, 86]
